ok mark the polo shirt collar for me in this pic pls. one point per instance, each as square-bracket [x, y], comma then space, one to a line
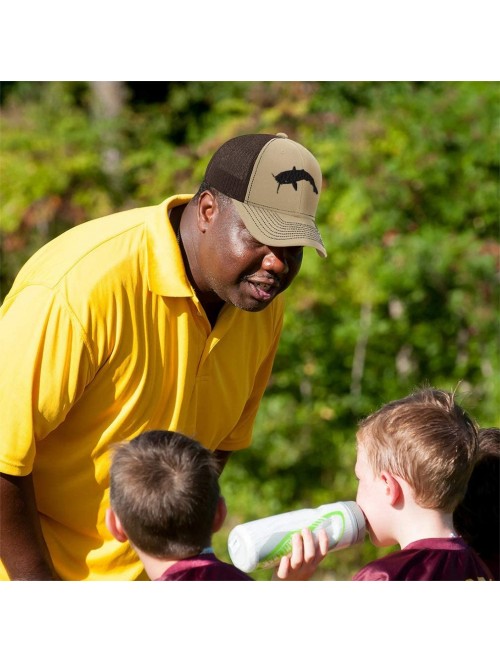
[166, 272]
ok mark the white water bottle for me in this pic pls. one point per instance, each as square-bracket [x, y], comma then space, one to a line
[262, 543]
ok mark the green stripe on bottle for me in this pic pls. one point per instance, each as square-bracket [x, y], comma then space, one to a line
[285, 545]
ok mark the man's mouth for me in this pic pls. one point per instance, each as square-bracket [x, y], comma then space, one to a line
[263, 288]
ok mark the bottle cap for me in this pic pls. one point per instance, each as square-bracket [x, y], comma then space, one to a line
[242, 549]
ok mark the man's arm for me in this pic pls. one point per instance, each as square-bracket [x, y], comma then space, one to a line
[222, 458]
[23, 550]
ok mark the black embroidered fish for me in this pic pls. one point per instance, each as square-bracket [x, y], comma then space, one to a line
[293, 176]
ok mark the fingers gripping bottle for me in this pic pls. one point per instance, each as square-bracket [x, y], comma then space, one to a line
[262, 543]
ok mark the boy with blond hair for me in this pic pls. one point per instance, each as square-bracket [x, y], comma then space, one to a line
[414, 460]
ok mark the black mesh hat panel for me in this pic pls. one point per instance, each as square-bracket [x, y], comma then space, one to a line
[230, 168]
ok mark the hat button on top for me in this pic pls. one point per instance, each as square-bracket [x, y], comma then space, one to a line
[281, 135]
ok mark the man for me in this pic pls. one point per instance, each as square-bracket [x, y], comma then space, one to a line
[162, 317]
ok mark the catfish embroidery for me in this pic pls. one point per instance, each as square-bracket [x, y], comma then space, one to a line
[293, 176]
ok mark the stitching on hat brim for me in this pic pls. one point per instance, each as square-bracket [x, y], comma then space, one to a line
[269, 220]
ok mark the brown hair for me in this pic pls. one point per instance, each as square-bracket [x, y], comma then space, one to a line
[428, 440]
[477, 518]
[164, 489]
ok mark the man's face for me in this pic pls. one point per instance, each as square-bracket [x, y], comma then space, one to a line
[240, 270]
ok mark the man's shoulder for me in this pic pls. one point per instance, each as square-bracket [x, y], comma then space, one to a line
[91, 247]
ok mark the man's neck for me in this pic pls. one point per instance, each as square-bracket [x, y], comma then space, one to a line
[212, 305]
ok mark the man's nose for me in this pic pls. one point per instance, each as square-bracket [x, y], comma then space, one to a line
[276, 261]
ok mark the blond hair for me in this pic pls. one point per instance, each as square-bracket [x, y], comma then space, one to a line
[428, 440]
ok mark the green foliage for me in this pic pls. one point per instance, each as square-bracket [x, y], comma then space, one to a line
[408, 294]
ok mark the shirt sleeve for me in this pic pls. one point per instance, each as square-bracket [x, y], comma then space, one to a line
[46, 363]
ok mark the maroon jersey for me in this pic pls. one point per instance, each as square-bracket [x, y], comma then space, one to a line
[493, 563]
[203, 567]
[428, 559]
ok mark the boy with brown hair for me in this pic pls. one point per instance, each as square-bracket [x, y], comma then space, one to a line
[165, 500]
[477, 518]
[414, 460]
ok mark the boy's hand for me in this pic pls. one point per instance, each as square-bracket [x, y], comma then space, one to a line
[305, 556]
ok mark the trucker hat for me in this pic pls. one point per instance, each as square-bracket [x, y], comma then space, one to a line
[274, 183]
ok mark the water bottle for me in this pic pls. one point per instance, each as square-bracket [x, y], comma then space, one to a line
[262, 543]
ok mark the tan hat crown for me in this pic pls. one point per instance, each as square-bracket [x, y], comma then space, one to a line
[275, 185]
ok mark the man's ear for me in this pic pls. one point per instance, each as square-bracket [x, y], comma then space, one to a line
[115, 527]
[393, 489]
[207, 207]
[220, 514]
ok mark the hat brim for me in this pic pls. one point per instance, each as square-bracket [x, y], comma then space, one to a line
[274, 228]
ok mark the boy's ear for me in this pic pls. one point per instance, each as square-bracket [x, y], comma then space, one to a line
[115, 527]
[220, 514]
[393, 489]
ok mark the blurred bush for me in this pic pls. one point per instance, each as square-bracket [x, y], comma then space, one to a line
[407, 296]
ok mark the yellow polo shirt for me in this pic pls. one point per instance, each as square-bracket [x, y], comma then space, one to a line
[101, 338]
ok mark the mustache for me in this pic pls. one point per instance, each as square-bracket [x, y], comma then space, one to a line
[267, 279]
